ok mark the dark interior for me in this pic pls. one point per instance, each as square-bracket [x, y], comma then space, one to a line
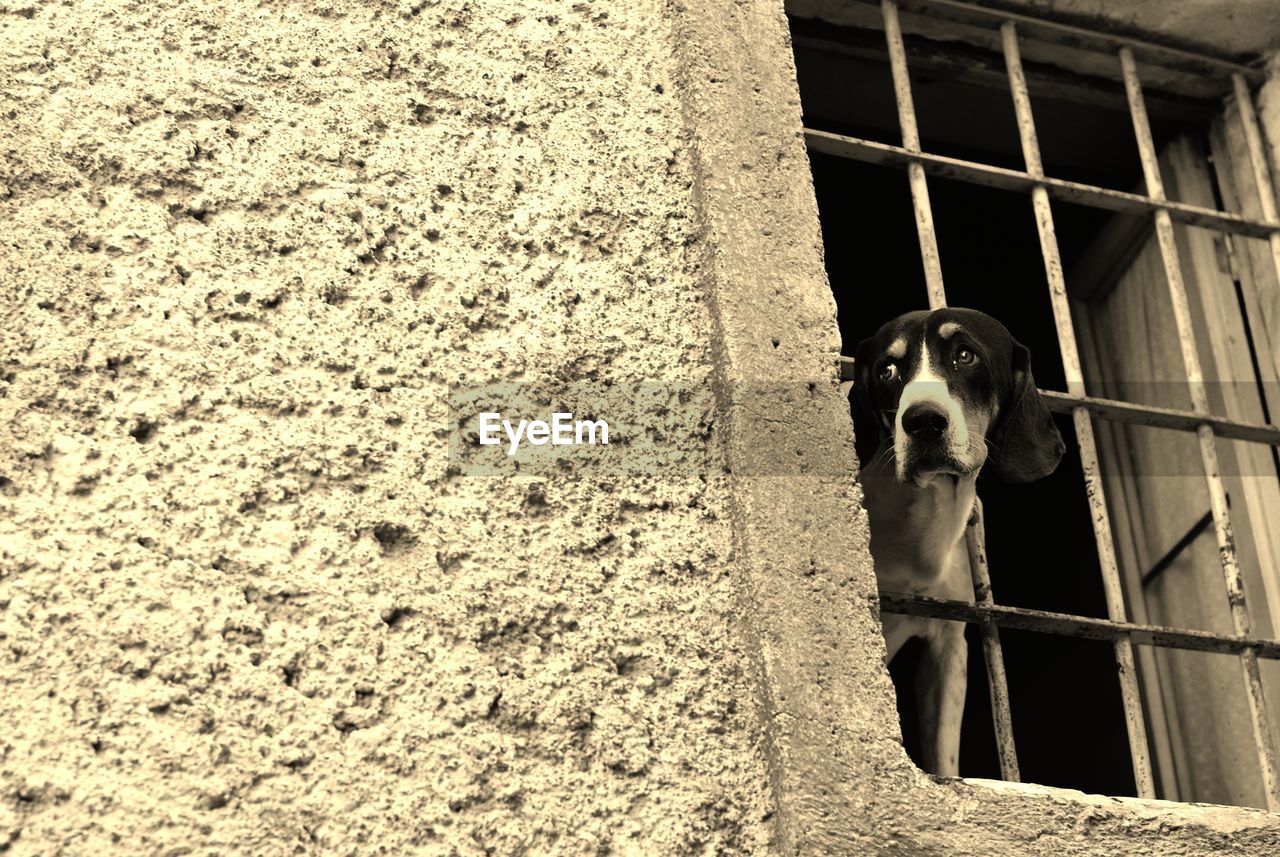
[1065, 698]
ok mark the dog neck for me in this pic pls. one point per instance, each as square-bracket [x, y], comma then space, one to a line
[914, 528]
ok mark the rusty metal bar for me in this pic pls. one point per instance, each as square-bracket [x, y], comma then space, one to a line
[941, 166]
[958, 63]
[1080, 38]
[1258, 161]
[1132, 699]
[997, 680]
[1253, 138]
[1208, 445]
[911, 144]
[974, 535]
[1140, 415]
[1150, 415]
[1080, 627]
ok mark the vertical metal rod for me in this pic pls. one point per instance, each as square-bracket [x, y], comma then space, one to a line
[1267, 202]
[911, 142]
[1130, 696]
[1257, 154]
[1258, 160]
[1002, 717]
[975, 536]
[1208, 445]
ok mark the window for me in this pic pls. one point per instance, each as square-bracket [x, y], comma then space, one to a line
[1108, 199]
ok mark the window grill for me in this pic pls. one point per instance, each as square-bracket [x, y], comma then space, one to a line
[985, 613]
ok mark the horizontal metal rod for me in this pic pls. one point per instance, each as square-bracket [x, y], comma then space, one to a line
[1066, 625]
[1150, 415]
[1142, 415]
[965, 65]
[872, 152]
[1080, 38]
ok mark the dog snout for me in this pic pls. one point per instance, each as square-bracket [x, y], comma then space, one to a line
[924, 421]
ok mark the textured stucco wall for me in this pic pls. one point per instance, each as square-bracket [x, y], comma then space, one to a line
[246, 604]
[249, 600]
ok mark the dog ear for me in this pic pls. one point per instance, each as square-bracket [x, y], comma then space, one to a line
[1025, 444]
[867, 431]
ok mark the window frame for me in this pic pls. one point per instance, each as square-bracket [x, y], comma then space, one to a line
[1075, 401]
[840, 779]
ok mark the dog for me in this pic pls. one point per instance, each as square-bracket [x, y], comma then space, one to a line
[937, 397]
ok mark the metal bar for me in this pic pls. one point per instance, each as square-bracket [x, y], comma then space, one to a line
[941, 166]
[1150, 415]
[1267, 202]
[1079, 627]
[1141, 415]
[1126, 517]
[1208, 445]
[963, 64]
[911, 143]
[1258, 161]
[997, 681]
[847, 366]
[1080, 38]
[1127, 673]
[974, 536]
[1253, 138]
[1132, 699]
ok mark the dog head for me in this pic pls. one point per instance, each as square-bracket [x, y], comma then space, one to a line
[951, 390]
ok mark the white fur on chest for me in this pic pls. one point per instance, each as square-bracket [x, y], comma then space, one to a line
[918, 542]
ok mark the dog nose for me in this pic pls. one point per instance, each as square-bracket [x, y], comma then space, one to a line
[923, 420]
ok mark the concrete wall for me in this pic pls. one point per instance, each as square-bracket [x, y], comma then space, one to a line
[246, 604]
[256, 597]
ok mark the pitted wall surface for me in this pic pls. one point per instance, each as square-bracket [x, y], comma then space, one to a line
[248, 601]
[256, 596]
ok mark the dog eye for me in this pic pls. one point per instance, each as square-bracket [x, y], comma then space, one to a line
[965, 357]
[888, 371]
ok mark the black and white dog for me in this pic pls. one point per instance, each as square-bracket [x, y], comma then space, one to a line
[938, 395]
